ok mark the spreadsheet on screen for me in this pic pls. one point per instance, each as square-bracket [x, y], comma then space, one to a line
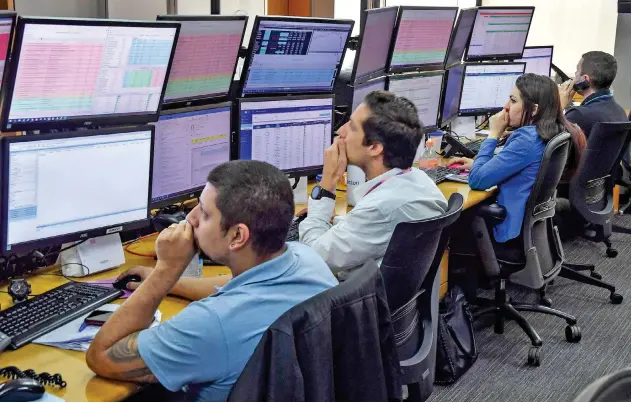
[538, 60]
[486, 87]
[67, 71]
[499, 32]
[424, 92]
[205, 59]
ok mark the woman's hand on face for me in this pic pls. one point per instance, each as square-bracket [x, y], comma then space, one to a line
[498, 123]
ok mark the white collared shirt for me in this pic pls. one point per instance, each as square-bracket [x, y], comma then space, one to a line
[366, 231]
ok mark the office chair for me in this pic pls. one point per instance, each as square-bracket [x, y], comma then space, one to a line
[624, 181]
[613, 387]
[534, 260]
[592, 188]
[410, 270]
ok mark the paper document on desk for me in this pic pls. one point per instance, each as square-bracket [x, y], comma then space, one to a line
[74, 336]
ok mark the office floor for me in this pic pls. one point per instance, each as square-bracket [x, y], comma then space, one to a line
[501, 373]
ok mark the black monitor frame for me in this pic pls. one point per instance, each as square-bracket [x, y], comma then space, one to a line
[195, 192]
[511, 56]
[292, 173]
[542, 47]
[204, 99]
[419, 67]
[251, 45]
[489, 110]
[442, 121]
[7, 60]
[453, 37]
[26, 247]
[75, 122]
[434, 73]
[379, 72]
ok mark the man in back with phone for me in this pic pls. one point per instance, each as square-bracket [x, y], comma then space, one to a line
[595, 74]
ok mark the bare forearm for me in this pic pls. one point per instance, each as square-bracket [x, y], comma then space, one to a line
[195, 289]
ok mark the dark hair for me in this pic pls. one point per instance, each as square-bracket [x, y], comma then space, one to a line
[601, 67]
[258, 195]
[393, 122]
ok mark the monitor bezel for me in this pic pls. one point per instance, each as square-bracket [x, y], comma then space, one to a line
[434, 73]
[75, 122]
[416, 67]
[25, 247]
[468, 58]
[379, 72]
[195, 192]
[488, 110]
[383, 79]
[253, 37]
[541, 47]
[7, 59]
[297, 172]
[444, 122]
[453, 37]
[203, 99]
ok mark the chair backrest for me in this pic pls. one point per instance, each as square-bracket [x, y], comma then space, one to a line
[591, 189]
[542, 249]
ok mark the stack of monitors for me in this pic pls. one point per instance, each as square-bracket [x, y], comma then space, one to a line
[374, 44]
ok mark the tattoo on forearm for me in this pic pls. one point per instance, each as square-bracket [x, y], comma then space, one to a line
[125, 350]
[141, 374]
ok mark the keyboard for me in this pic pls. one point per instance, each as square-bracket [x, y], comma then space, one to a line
[439, 174]
[28, 320]
[292, 235]
[474, 146]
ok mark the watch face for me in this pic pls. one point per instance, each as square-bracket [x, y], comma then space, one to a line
[316, 192]
[19, 288]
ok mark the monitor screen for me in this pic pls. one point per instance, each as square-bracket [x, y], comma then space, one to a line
[5, 41]
[423, 91]
[376, 42]
[460, 36]
[188, 146]
[289, 133]
[538, 60]
[205, 59]
[290, 56]
[361, 91]
[486, 87]
[422, 37]
[452, 94]
[87, 72]
[499, 33]
[55, 187]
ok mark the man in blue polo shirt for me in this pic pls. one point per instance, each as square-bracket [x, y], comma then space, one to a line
[242, 220]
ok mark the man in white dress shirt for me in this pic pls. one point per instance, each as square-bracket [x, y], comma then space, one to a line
[381, 138]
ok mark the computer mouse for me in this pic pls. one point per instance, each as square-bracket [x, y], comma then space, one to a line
[162, 221]
[456, 165]
[21, 390]
[122, 283]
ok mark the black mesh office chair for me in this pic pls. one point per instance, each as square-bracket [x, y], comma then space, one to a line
[591, 190]
[535, 260]
[410, 270]
[613, 387]
[623, 180]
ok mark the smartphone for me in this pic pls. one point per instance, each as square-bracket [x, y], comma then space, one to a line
[97, 318]
[581, 85]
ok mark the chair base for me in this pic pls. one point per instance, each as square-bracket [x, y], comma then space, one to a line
[570, 272]
[620, 230]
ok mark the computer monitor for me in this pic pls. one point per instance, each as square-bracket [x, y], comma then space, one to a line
[290, 55]
[69, 73]
[539, 59]
[460, 36]
[290, 133]
[486, 87]
[451, 94]
[206, 57]
[189, 144]
[7, 22]
[374, 43]
[499, 33]
[65, 187]
[422, 35]
[360, 91]
[423, 90]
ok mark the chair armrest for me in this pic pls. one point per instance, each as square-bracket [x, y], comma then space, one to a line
[493, 213]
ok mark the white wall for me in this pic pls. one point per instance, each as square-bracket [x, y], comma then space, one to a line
[136, 9]
[59, 8]
[194, 7]
[350, 10]
[573, 27]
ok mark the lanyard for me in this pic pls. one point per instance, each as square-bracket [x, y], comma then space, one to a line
[599, 97]
[384, 180]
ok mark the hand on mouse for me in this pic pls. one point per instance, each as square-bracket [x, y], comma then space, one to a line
[175, 247]
[142, 271]
[466, 163]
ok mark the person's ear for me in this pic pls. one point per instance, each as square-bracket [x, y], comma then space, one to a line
[376, 149]
[239, 235]
[535, 110]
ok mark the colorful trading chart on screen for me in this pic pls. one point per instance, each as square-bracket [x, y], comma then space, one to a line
[5, 40]
[205, 59]
[500, 32]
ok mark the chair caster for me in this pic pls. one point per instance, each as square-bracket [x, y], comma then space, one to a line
[573, 334]
[616, 298]
[611, 252]
[546, 301]
[595, 275]
[534, 357]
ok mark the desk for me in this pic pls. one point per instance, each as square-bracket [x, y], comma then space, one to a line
[83, 385]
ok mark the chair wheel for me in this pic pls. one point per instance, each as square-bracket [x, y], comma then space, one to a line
[546, 301]
[573, 334]
[611, 252]
[616, 298]
[595, 275]
[534, 357]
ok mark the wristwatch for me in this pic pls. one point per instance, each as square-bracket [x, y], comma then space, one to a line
[19, 289]
[318, 193]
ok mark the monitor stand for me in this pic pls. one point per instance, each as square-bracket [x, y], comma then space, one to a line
[465, 126]
[92, 256]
